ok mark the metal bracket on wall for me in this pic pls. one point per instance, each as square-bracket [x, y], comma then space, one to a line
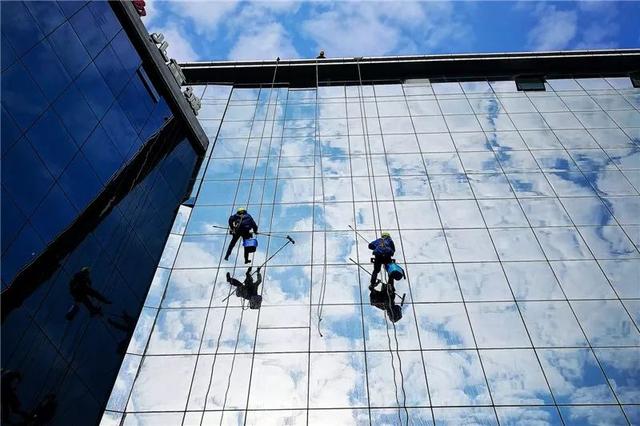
[176, 71]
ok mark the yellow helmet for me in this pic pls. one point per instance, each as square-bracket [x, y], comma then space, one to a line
[241, 210]
[385, 234]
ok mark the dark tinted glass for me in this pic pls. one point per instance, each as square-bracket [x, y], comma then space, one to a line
[95, 90]
[54, 214]
[21, 96]
[19, 26]
[85, 26]
[53, 79]
[25, 176]
[72, 53]
[80, 182]
[111, 69]
[102, 154]
[76, 114]
[54, 144]
[47, 13]
[106, 19]
[70, 7]
[530, 84]
[12, 219]
[8, 55]
[21, 251]
[119, 129]
[10, 131]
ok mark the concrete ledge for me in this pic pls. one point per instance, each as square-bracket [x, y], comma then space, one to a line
[302, 72]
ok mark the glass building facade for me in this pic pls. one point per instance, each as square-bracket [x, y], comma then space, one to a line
[515, 216]
[77, 105]
[95, 162]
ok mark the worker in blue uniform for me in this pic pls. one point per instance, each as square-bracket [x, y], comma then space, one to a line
[241, 224]
[383, 251]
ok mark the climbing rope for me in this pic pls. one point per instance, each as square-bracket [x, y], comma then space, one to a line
[289, 239]
[323, 282]
[226, 307]
[376, 206]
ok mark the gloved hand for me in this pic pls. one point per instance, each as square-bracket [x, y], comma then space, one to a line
[258, 270]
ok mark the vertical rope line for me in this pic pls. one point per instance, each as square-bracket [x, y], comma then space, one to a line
[205, 165]
[375, 202]
[235, 349]
[253, 351]
[226, 307]
[323, 284]
[358, 268]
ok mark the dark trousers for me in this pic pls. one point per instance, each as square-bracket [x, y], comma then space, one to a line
[85, 296]
[244, 290]
[235, 282]
[377, 266]
[234, 239]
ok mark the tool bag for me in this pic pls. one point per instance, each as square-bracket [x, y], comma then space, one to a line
[395, 313]
[394, 271]
[250, 244]
[255, 302]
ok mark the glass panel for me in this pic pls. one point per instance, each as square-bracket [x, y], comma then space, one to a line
[282, 382]
[552, 324]
[514, 219]
[334, 380]
[581, 382]
[507, 367]
[497, 325]
[444, 326]
[455, 378]
[158, 374]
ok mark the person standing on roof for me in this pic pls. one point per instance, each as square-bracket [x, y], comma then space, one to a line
[241, 224]
[383, 250]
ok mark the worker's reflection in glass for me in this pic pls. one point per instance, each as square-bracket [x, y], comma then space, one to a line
[83, 293]
[385, 299]
[249, 289]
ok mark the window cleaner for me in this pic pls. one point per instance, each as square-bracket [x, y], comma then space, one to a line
[241, 224]
[383, 250]
[385, 299]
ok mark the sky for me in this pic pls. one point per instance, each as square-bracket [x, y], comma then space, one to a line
[242, 30]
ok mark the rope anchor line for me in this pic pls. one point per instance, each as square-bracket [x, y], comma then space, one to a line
[289, 241]
[375, 205]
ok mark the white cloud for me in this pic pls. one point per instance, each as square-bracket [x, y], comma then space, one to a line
[348, 32]
[153, 12]
[378, 28]
[180, 48]
[555, 28]
[590, 25]
[206, 16]
[598, 36]
[264, 42]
